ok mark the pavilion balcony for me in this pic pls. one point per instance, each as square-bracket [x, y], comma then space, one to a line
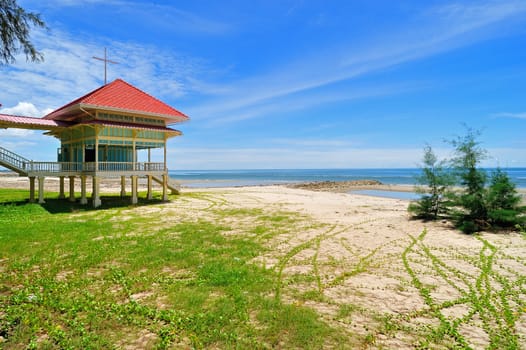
[104, 169]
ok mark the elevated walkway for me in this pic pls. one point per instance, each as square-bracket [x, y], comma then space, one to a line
[14, 162]
[29, 168]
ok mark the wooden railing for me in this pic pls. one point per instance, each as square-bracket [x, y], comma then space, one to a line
[54, 167]
[24, 166]
[120, 166]
[13, 161]
[91, 167]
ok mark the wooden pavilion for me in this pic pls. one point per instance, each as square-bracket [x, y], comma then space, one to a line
[100, 135]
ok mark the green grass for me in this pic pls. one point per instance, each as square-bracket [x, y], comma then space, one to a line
[493, 297]
[203, 272]
[74, 277]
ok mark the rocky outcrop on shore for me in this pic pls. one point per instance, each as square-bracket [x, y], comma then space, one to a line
[336, 186]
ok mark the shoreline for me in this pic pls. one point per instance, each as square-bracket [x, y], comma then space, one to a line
[13, 181]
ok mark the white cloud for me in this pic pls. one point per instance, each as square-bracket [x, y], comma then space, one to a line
[15, 144]
[313, 143]
[12, 137]
[298, 157]
[28, 143]
[5, 133]
[84, 2]
[290, 157]
[25, 109]
[231, 111]
[188, 22]
[155, 15]
[506, 157]
[69, 71]
[439, 30]
[65, 74]
[510, 115]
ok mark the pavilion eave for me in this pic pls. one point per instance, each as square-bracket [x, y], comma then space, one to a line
[31, 123]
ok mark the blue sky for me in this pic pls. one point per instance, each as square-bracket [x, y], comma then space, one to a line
[291, 83]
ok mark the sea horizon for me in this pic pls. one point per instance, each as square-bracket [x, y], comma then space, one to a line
[198, 178]
[254, 177]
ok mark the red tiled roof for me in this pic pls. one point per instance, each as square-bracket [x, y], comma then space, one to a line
[121, 96]
[133, 126]
[16, 121]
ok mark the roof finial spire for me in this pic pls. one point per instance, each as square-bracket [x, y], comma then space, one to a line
[106, 61]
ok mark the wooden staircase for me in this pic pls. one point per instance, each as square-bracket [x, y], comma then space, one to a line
[173, 186]
[14, 162]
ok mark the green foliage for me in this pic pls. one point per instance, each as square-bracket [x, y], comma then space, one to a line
[423, 208]
[435, 182]
[468, 156]
[474, 207]
[503, 202]
[15, 25]
[492, 295]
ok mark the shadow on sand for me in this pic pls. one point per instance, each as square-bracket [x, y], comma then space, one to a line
[57, 206]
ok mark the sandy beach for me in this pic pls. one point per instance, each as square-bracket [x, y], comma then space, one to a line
[365, 254]
[357, 256]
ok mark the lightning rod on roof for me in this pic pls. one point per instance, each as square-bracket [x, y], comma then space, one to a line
[106, 61]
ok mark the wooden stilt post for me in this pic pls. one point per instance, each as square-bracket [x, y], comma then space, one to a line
[123, 186]
[96, 194]
[83, 199]
[61, 194]
[31, 189]
[165, 140]
[134, 150]
[134, 199]
[165, 187]
[72, 188]
[165, 175]
[150, 192]
[41, 190]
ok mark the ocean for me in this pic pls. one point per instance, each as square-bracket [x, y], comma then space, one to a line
[227, 178]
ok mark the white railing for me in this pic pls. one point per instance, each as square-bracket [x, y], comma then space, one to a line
[25, 166]
[113, 166]
[90, 167]
[149, 166]
[128, 166]
[14, 160]
[54, 167]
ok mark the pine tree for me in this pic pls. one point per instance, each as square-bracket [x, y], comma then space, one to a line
[435, 182]
[473, 215]
[503, 202]
[473, 207]
[15, 24]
